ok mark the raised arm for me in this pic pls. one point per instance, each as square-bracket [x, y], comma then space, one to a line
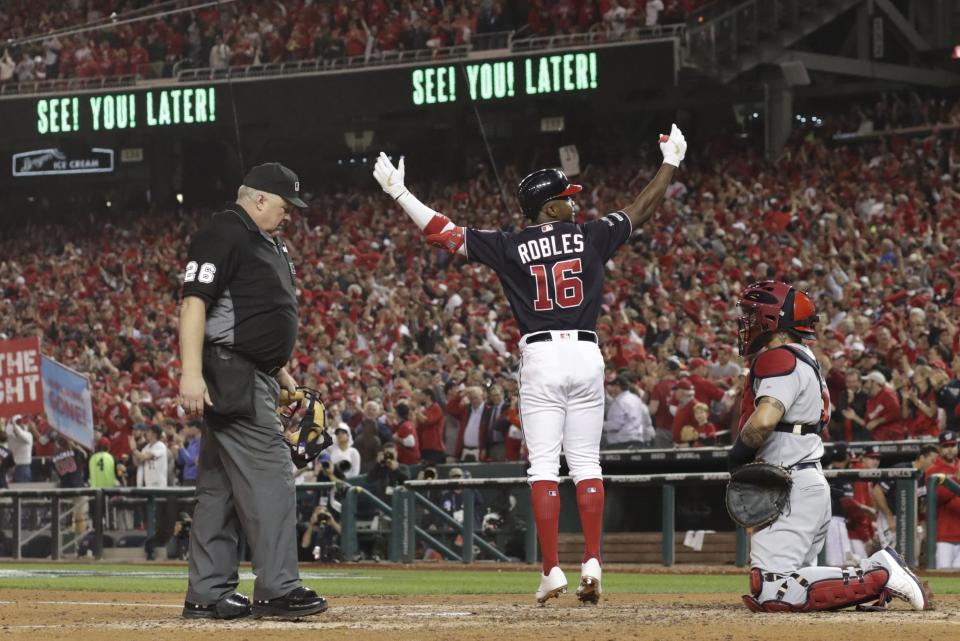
[673, 147]
[438, 229]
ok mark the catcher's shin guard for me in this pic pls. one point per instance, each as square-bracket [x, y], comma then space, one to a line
[853, 587]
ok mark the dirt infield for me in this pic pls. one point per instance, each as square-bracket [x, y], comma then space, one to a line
[89, 616]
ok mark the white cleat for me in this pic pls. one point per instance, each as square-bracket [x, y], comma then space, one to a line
[552, 585]
[590, 576]
[903, 583]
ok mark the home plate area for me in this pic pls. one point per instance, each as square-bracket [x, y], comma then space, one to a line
[83, 616]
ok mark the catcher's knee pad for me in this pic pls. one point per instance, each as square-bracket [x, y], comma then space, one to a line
[756, 582]
[767, 606]
[854, 587]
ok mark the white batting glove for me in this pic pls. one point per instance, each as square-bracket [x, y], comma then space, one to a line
[673, 147]
[389, 177]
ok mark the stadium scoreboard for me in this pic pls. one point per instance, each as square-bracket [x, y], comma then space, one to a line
[130, 110]
[129, 132]
[538, 75]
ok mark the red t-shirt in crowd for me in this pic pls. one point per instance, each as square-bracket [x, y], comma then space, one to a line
[431, 430]
[860, 524]
[661, 392]
[921, 424]
[684, 416]
[886, 405]
[43, 446]
[407, 455]
[705, 390]
[948, 503]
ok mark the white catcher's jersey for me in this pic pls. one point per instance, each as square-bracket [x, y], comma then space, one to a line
[803, 396]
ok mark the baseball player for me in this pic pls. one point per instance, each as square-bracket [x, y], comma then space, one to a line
[552, 274]
[862, 523]
[785, 408]
[948, 504]
[837, 542]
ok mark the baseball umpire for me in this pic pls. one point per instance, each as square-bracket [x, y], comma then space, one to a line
[785, 408]
[238, 325]
[552, 273]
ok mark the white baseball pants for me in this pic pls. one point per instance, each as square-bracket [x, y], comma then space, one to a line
[561, 405]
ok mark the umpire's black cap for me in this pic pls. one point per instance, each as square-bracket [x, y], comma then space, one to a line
[542, 186]
[274, 178]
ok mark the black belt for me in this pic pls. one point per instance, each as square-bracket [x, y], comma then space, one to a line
[798, 428]
[804, 466]
[588, 337]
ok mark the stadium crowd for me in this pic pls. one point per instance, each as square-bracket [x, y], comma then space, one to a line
[413, 350]
[401, 338]
[271, 31]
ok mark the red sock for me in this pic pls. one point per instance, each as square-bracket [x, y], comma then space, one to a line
[546, 512]
[590, 504]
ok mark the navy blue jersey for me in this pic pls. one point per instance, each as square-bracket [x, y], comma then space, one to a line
[552, 273]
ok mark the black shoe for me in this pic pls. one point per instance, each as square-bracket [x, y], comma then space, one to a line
[299, 602]
[234, 606]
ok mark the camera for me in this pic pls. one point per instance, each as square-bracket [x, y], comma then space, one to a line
[185, 522]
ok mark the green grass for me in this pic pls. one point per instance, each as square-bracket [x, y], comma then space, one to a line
[338, 581]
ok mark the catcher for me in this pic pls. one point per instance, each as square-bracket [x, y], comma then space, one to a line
[777, 488]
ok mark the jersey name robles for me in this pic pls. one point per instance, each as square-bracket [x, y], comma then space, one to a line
[552, 273]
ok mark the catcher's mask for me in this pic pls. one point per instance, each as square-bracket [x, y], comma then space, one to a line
[304, 420]
[769, 306]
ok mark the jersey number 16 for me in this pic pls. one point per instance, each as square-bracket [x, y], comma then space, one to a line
[568, 288]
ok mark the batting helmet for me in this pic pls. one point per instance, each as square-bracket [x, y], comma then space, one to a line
[769, 306]
[542, 186]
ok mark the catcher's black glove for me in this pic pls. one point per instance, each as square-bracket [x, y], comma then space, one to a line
[310, 436]
[757, 494]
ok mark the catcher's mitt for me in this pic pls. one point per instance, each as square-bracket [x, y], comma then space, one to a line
[757, 494]
[307, 434]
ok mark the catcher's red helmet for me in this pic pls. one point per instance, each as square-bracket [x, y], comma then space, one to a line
[770, 305]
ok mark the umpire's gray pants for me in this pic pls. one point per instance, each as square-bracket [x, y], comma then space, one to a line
[245, 481]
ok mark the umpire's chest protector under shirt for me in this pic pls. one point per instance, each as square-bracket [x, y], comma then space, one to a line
[248, 282]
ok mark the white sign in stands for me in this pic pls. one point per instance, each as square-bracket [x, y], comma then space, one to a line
[55, 162]
[67, 401]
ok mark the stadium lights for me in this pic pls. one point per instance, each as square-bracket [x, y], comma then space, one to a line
[816, 121]
[357, 160]
[180, 198]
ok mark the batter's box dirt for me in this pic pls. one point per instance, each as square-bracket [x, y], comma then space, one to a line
[84, 616]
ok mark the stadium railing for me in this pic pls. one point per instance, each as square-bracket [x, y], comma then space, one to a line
[590, 38]
[933, 483]
[906, 485]
[905, 449]
[61, 85]
[481, 45]
[99, 497]
[403, 512]
[507, 41]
